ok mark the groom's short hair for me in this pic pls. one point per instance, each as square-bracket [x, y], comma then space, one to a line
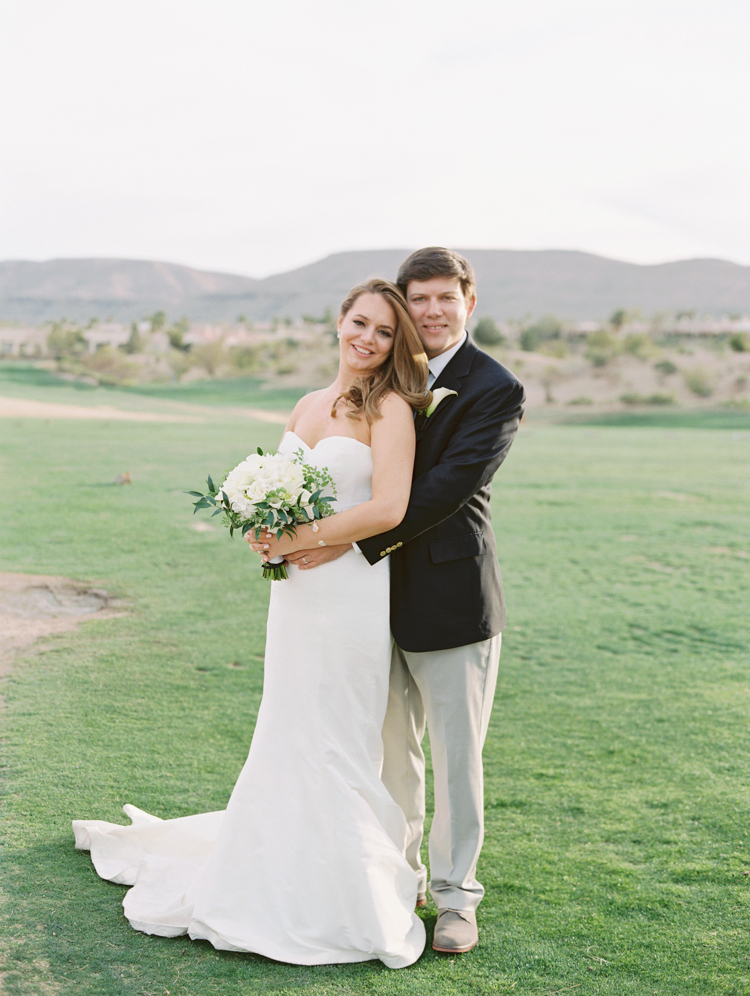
[435, 261]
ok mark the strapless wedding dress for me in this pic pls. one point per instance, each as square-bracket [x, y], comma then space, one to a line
[306, 863]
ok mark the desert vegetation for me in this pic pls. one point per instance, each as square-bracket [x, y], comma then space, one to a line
[624, 362]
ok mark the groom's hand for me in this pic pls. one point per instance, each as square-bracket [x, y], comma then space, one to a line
[305, 559]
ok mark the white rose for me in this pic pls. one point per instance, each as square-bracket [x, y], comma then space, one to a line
[255, 492]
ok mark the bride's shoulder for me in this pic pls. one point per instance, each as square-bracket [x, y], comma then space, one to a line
[305, 404]
[393, 406]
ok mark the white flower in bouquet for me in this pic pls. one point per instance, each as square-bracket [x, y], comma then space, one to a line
[271, 477]
[270, 491]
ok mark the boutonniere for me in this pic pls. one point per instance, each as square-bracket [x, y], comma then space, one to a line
[438, 397]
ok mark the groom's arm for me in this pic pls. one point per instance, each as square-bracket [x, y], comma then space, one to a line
[478, 446]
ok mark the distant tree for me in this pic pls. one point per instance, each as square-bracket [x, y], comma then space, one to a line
[486, 333]
[211, 356]
[618, 318]
[176, 334]
[158, 321]
[66, 340]
[544, 330]
[601, 347]
[136, 342]
[740, 342]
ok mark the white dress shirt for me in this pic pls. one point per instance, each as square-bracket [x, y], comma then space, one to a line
[438, 363]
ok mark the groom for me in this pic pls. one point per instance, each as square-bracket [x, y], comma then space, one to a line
[447, 609]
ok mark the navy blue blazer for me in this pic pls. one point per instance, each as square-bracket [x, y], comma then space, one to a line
[446, 589]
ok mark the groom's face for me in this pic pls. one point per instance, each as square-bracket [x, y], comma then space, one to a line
[440, 312]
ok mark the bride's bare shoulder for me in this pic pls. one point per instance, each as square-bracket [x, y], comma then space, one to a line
[306, 404]
[394, 406]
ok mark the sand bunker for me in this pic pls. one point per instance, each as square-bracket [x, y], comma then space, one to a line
[35, 605]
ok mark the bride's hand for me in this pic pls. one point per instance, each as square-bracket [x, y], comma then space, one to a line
[305, 559]
[268, 546]
[264, 544]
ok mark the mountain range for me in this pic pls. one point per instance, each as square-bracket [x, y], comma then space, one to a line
[511, 284]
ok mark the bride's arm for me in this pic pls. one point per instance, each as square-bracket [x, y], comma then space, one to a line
[392, 442]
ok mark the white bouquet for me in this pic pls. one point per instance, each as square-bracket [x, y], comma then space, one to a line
[270, 491]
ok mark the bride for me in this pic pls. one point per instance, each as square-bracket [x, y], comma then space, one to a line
[306, 864]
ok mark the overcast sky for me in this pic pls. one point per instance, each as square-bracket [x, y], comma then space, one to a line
[255, 137]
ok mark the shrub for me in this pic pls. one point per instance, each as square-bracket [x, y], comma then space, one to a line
[486, 333]
[638, 344]
[633, 398]
[581, 400]
[665, 367]
[66, 340]
[245, 358]
[699, 381]
[555, 347]
[601, 347]
[110, 366]
[544, 330]
[179, 363]
[740, 342]
[210, 356]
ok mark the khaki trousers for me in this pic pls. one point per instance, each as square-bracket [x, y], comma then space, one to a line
[451, 691]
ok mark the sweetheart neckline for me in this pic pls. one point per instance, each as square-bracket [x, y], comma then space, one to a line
[291, 432]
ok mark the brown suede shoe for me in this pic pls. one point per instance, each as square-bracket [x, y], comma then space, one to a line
[421, 899]
[455, 931]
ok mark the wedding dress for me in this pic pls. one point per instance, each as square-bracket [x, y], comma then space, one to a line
[306, 863]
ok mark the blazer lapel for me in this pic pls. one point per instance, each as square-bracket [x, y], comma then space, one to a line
[458, 368]
[451, 377]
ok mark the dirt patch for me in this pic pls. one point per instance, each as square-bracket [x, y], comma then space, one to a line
[22, 408]
[33, 606]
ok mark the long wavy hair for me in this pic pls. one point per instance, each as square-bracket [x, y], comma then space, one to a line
[405, 369]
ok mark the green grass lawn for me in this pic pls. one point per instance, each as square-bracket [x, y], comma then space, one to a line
[616, 858]
[20, 379]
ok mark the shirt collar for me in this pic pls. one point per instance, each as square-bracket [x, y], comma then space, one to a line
[438, 363]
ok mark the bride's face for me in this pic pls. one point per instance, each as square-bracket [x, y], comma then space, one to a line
[367, 332]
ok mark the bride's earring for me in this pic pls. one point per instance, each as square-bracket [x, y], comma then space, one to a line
[338, 335]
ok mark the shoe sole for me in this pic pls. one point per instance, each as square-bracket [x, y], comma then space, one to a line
[421, 903]
[462, 950]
